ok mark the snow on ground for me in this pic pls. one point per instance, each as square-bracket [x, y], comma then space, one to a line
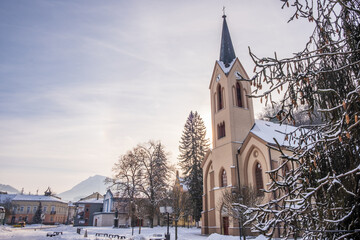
[38, 232]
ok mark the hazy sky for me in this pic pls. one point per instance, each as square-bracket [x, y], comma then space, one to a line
[82, 82]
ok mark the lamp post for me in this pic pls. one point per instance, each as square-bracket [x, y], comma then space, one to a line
[167, 210]
[116, 219]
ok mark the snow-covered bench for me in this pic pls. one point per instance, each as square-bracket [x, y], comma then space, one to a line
[110, 235]
[53, 234]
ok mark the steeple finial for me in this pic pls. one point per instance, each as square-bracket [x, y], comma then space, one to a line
[227, 53]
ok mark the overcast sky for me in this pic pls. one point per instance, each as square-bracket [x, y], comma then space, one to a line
[82, 82]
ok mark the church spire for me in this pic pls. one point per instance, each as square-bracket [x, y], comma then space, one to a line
[227, 53]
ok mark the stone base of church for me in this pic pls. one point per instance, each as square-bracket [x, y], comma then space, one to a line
[210, 230]
[234, 231]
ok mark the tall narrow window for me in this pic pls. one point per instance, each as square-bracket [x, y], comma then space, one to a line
[285, 170]
[238, 96]
[246, 100]
[259, 179]
[220, 97]
[221, 130]
[223, 179]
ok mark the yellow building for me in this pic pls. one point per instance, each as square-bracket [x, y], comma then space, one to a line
[55, 211]
[241, 151]
[185, 218]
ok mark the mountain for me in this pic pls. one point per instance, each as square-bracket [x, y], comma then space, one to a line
[9, 189]
[85, 188]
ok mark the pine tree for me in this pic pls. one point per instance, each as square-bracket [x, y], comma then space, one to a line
[37, 216]
[319, 196]
[193, 147]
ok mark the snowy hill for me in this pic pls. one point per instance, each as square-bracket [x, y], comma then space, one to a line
[9, 189]
[85, 188]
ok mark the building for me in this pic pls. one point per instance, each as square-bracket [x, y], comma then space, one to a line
[24, 208]
[241, 145]
[86, 208]
[181, 190]
[114, 206]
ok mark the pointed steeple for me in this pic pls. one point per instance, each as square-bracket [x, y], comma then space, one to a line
[227, 53]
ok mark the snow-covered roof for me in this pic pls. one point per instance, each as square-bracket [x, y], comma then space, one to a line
[6, 197]
[91, 200]
[268, 131]
[226, 69]
[43, 198]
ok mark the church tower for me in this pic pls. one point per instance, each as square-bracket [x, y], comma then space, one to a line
[232, 117]
[231, 110]
[242, 151]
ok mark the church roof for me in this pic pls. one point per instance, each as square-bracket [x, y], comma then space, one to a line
[227, 53]
[267, 131]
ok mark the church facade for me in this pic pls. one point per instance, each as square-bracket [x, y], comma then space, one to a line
[241, 152]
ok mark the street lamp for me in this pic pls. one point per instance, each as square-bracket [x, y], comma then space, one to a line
[167, 210]
[116, 219]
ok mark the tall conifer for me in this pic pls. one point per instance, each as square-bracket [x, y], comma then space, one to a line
[193, 147]
[37, 215]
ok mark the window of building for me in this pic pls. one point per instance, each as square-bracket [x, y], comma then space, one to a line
[44, 209]
[285, 170]
[238, 96]
[28, 209]
[223, 179]
[34, 209]
[220, 97]
[246, 100]
[259, 179]
[22, 209]
[221, 130]
[53, 208]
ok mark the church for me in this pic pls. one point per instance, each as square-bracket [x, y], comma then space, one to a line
[242, 150]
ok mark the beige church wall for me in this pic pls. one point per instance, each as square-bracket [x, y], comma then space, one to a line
[213, 192]
[224, 160]
[248, 160]
[255, 152]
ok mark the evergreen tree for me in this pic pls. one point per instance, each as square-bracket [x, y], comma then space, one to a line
[319, 196]
[193, 147]
[37, 216]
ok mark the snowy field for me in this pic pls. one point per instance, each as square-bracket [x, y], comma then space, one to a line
[69, 232]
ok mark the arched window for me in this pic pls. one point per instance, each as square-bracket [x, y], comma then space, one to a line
[238, 96]
[223, 182]
[221, 130]
[220, 97]
[246, 100]
[259, 179]
[285, 170]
